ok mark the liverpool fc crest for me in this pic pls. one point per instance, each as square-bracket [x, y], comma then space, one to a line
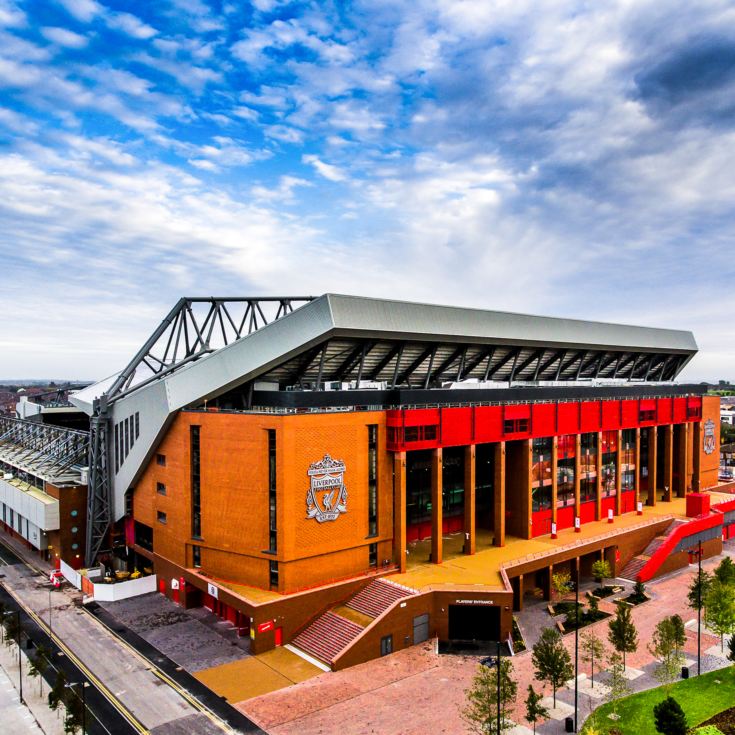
[709, 436]
[327, 494]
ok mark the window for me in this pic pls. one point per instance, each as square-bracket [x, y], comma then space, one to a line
[566, 451]
[137, 424]
[373, 555]
[126, 432]
[273, 574]
[196, 556]
[143, 535]
[647, 415]
[161, 516]
[694, 412]
[161, 460]
[372, 480]
[272, 507]
[160, 488]
[588, 468]
[132, 431]
[515, 426]
[627, 461]
[541, 480]
[117, 447]
[417, 434]
[386, 645]
[196, 501]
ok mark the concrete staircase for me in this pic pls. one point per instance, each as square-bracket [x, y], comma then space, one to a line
[633, 567]
[330, 634]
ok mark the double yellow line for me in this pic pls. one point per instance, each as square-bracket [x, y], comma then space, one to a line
[108, 695]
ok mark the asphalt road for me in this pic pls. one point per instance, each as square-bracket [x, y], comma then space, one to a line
[103, 717]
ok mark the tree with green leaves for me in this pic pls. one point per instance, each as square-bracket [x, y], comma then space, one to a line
[601, 571]
[669, 718]
[13, 630]
[58, 692]
[698, 590]
[551, 660]
[561, 583]
[593, 650]
[731, 649]
[678, 632]
[535, 711]
[719, 610]
[39, 663]
[481, 709]
[664, 646]
[618, 684]
[73, 718]
[622, 632]
[725, 571]
[639, 592]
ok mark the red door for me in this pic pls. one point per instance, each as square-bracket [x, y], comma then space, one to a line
[279, 636]
[162, 586]
[175, 595]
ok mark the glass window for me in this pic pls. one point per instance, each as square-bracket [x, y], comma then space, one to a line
[565, 460]
[541, 474]
[273, 575]
[196, 556]
[272, 497]
[160, 488]
[609, 463]
[161, 460]
[372, 480]
[196, 505]
[161, 516]
[453, 482]
[627, 461]
[373, 555]
[588, 467]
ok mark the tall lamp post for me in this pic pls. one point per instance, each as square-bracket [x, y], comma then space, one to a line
[699, 609]
[576, 642]
[20, 663]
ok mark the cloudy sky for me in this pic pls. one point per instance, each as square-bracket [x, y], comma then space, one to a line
[563, 158]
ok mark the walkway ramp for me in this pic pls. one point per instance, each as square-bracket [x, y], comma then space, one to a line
[632, 569]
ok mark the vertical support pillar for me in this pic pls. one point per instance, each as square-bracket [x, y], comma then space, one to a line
[598, 481]
[499, 494]
[697, 457]
[554, 482]
[619, 475]
[652, 465]
[668, 462]
[527, 497]
[519, 600]
[637, 468]
[549, 587]
[577, 481]
[684, 459]
[437, 516]
[399, 510]
[469, 499]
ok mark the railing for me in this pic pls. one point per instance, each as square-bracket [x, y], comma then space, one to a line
[696, 525]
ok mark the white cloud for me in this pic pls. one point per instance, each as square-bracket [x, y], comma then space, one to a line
[283, 193]
[83, 10]
[131, 25]
[11, 16]
[324, 169]
[17, 122]
[64, 37]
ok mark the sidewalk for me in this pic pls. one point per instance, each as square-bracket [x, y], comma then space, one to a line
[44, 719]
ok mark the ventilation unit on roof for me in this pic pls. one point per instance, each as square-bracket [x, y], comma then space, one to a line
[8, 476]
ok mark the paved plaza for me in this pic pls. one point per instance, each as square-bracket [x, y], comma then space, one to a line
[416, 691]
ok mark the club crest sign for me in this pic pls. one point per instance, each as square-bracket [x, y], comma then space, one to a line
[327, 494]
[709, 436]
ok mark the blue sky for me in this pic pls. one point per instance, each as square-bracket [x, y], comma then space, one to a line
[571, 159]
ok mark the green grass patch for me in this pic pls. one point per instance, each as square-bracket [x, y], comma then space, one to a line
[699, 697]
[708, 730]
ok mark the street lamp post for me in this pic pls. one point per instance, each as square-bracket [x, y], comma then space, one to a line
[499, 730]
[20, 663]
[699, 610]
[576, 642]
[50, 627]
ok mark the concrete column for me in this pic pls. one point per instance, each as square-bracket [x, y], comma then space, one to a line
[637, 467]
[652, 466]
[526, 489]
[499, 494]
[399, 510]
[548, 587]
[619, 475]
[598, 483]
[697, 457]
[668, 462]
[469, 499]
[554, 476]
[520, 592]
[577, 474]
[436, 506]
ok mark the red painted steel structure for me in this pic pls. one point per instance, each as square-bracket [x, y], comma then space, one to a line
[428, 428]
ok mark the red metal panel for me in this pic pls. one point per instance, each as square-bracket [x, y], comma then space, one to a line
[607, 504]
[517, 411]
[680, 410]
[647, 404]
[488, 424]
[630, 414]
[697, 504]
[590, 416]
[587, 512]
[544, 419]
[665, 411]
[568, 418]
[627, 502]
[456, 426]
[564, 517]
[421, 417]
[394, 417]
[611, 415]
[541, 524]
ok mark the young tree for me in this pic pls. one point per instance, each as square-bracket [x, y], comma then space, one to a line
[592, 650]
[719, 611]
[664, 646]
[13, 630]
[619, 686]
[73, 718]
[639, 591]
[622, 633]
[601, 571]
[679, 632]
[481, 709]
[561, 583]
[535, 711]
[669, 718]
[58, 691]
[38, 664]
[552, 661]
[725, 571]
[698, 590]
[731, 649]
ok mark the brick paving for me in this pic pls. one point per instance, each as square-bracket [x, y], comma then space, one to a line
[417, 691]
